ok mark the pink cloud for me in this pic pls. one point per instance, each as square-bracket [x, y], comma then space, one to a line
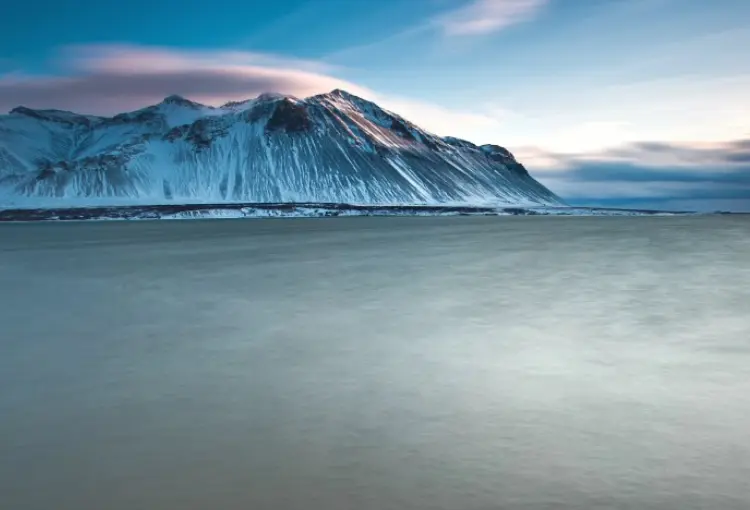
[107, 79]
[110, 79]
[121, 58]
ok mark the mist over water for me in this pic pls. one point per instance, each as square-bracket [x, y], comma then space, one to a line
[376, 363]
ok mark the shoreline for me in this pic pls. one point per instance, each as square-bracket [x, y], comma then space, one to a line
[302, 210]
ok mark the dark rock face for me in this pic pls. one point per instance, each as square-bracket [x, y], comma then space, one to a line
[22, 110]
[399, 127]
[257, 112]
[458, 143]
[198, 134]
[176, 132]
[497, 153]
[145, 116]
[233, 104]
[46, 171]
[180, 101]
[203, 132]
[53, 116]
[504, 156]
[518, 168]
[52, 169]
[288, 117]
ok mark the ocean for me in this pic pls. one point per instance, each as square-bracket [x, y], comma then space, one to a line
[465, 363]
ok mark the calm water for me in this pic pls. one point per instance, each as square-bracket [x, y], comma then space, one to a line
[376, 363]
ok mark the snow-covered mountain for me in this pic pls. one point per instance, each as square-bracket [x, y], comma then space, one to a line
[333, 147]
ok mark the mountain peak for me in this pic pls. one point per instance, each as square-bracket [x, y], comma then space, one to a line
[273, 96]
[346, 96]
[23, 110]
[179, 100]
[53, 115]
[496, 150]
[338, 94]
[342, 93]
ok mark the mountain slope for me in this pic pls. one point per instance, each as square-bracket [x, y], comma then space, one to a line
[330, 148]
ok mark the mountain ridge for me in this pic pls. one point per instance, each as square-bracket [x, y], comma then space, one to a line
[332, 147]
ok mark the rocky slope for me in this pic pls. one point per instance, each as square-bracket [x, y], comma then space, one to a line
[331, 148]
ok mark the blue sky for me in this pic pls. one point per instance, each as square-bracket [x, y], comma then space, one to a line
[581, 90]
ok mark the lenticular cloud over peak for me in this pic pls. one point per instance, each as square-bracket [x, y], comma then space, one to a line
[107, 79]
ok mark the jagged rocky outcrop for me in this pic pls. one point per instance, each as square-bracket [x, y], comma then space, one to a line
[331, 148]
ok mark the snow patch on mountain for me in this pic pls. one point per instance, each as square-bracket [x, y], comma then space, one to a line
[333, 148]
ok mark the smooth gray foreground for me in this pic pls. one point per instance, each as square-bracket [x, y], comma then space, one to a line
[376, 363]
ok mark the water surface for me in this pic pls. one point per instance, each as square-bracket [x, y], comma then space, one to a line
[376, 363]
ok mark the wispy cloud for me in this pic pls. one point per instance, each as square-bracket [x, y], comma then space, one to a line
[695, 156]
[123, 57]
[473, 18]
[487, 16]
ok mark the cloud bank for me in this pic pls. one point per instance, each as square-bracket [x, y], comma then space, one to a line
[658, 175]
